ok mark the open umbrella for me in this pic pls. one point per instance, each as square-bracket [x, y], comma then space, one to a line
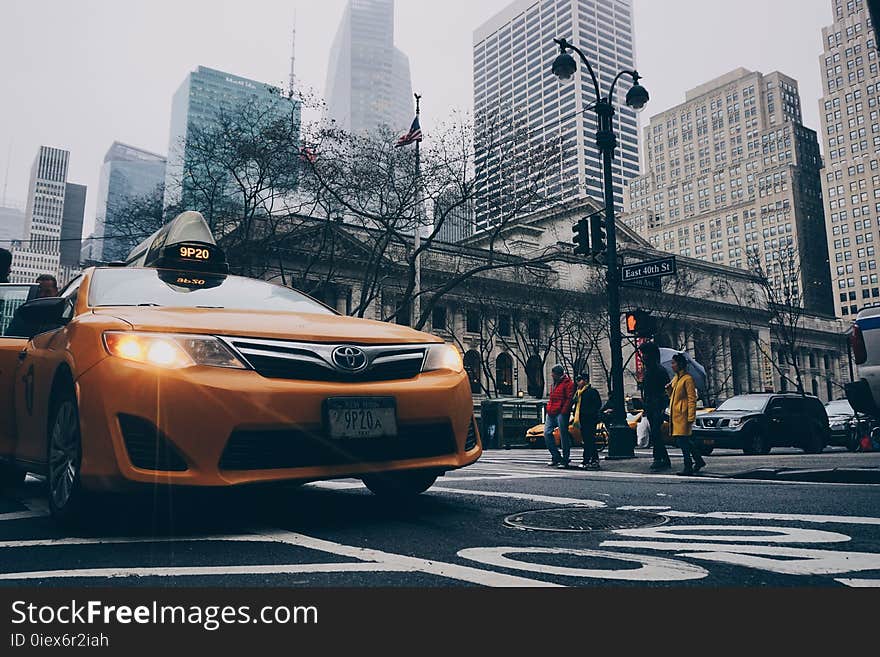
[694, 369]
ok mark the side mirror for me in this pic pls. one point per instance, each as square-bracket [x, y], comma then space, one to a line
[39, 312]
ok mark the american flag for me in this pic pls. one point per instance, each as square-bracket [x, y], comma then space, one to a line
[307, 154]
[414, 134]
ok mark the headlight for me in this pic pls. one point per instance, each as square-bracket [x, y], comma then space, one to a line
[443, 357]
[735, 422]
[169, 350]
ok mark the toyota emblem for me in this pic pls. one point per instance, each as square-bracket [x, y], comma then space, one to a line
[350, 359]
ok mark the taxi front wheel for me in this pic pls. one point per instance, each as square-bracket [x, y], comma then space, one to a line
[400, 484]
[67, 499]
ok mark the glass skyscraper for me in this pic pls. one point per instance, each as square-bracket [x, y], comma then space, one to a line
[128, 172]
[517, 99]
[202, 96]
[368, 79]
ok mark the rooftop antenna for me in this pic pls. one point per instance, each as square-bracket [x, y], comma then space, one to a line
[293, 57]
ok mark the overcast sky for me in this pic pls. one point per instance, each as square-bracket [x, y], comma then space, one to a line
[79, 74]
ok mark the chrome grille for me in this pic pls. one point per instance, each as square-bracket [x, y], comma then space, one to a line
[279, 359]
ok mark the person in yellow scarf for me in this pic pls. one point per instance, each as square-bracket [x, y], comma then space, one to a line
[682, 413]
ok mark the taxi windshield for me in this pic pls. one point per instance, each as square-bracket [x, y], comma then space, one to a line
[162, 288]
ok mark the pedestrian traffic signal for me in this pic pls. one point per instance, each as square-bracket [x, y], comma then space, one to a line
[597, 234]
[581, 238]
[641, 323]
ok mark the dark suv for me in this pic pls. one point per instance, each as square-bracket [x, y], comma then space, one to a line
[757, 423]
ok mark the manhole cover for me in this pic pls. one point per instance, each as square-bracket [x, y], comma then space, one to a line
[583, 519]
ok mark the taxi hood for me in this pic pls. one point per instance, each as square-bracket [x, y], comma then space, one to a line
[304, 327]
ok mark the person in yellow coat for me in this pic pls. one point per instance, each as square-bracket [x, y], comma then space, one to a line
[682, 413]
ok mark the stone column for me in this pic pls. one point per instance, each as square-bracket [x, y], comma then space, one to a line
[728, 363]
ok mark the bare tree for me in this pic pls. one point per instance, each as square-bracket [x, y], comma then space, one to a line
[776, 294]
[131, 220]
[369, 183]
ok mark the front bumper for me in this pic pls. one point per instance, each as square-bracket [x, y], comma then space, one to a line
[725, 438]
[199, 411]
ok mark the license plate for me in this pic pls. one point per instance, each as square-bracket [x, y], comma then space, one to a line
[361, 417]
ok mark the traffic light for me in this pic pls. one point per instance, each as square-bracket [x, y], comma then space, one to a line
[641, 323]
[581, 238]
[597, 234]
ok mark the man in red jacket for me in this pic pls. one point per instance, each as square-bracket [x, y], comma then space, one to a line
[558, 409]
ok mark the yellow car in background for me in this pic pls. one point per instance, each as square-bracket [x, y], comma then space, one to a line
[535, 435]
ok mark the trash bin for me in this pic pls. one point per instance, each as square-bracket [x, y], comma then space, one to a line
[492, 423]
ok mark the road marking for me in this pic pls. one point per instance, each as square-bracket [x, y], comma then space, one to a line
[756, 533]
[541, 499]
[21, 515]
[445, 488]
[405, 563]
[123, 540]
[196, 571]
[785, 517]
[860, 583]
[651, 569]
[643, 508]
[789, 561]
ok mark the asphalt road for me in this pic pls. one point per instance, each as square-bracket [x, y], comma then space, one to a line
[618, 527]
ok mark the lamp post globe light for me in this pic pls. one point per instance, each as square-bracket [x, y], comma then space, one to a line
[621, 436]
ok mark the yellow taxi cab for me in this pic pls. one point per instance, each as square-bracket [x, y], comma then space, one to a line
[171, 371]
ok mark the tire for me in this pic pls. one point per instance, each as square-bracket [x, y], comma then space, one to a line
[67, 499]
[757, 443]
[10, 476]
[815, 442]
[408, 483]
[852, 442]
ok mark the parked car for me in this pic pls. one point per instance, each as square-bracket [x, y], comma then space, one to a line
[756, 423]
[847, 426]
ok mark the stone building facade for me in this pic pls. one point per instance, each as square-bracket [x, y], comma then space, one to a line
[506, 321]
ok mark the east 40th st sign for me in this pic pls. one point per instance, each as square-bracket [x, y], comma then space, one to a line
[650, 269]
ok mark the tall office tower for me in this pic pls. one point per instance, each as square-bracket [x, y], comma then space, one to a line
[732, 177]
[851, 179]
[457, 216]
[11, 224]
[127, 173]
[40, 252]
[198, 101]
[520, 107]
[368, 79]
[72, 224]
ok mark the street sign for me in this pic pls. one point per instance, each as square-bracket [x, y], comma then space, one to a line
[645, 284]
[650, 269]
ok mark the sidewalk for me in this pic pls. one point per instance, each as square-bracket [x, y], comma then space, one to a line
[834, 465]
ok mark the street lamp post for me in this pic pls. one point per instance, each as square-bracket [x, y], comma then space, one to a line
[621, 440]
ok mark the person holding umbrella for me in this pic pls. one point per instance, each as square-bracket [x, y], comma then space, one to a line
[654, 396]
[682, 413]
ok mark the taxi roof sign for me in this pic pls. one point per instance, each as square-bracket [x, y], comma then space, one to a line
[184, 243]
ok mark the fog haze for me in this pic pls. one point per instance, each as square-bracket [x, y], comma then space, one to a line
[79, 74]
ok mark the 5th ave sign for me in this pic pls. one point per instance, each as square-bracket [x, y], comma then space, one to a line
[650, 269]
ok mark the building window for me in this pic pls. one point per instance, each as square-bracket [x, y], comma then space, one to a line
[473, 321]
[438, 318]
[504, 326]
